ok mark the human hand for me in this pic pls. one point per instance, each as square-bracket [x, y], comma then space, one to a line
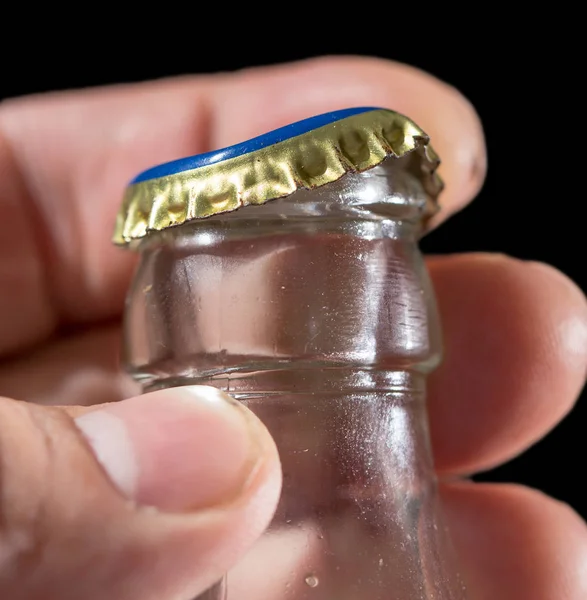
[79, 478]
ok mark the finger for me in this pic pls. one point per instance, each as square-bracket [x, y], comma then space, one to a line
[154, 497]
[515, 360]
[66, 158]
[517, 544]
[264, 96]
[515, 357]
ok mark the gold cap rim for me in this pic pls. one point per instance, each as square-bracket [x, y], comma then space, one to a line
[310, 160]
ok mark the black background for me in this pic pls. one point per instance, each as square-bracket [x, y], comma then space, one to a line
[518, 75]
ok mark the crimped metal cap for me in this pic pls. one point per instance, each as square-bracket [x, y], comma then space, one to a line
[307, 154]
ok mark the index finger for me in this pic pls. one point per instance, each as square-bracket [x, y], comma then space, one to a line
[65, 159]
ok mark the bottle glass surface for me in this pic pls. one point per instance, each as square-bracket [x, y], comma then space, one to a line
[315, 310]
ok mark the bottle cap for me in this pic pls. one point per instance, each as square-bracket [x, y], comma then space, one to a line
[306, 154]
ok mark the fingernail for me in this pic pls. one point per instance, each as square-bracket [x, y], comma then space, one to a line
[180, 449]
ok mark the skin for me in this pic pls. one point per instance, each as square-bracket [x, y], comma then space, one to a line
[64, 161]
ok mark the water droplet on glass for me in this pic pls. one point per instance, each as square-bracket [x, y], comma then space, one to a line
[312, 581]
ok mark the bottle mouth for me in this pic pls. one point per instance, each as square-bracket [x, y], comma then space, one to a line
[389, 190]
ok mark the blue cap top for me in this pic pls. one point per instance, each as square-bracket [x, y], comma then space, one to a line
[257, 143]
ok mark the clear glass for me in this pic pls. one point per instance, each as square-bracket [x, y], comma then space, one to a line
[316, 312]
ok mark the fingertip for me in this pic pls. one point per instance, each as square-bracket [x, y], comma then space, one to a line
[179, 449]
[515, 357]
[516, 543]
[196, 549]
[334, 82]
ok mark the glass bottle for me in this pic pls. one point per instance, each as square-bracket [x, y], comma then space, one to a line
[286, 272]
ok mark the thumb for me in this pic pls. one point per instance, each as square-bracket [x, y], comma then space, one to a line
[154, 497]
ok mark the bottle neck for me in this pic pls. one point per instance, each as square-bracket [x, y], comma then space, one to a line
[302, 293]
